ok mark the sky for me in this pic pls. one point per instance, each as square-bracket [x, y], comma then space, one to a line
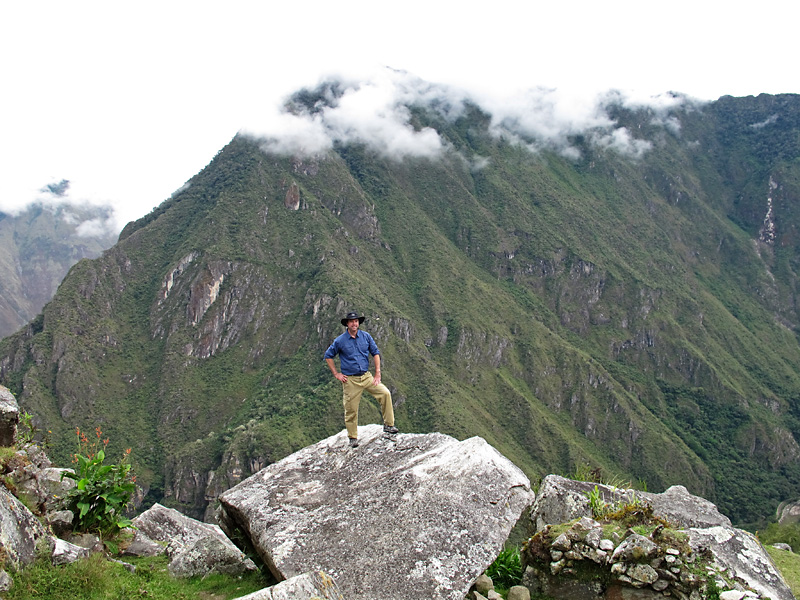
[127, 101]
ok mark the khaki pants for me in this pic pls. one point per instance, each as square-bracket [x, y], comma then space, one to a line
[352, 389]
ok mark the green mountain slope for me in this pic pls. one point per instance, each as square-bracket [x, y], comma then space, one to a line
[632, 314]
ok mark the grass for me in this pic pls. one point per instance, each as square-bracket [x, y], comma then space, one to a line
[96, 578]
[788, 564]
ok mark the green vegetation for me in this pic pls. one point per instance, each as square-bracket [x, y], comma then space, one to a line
[102, 492]
[97, 578]
[774, 533]
[599, 311]
[506, 570]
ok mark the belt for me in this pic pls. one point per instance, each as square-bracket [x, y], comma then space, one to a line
[356, 374]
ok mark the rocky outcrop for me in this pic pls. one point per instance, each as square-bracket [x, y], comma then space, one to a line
[20, 531]
[687, 549]
[194, 548]
[9, 417]
[407, 517]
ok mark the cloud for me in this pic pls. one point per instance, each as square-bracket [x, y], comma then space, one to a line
[58, 196]
[621, 141]
[97, 227]
[375, 111]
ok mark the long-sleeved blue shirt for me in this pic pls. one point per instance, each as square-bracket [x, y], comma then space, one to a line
[354, 352]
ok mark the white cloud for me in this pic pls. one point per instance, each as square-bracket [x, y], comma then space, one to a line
[621, 141]
[373, 112]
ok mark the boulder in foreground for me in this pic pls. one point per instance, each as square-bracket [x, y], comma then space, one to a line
[405, 517]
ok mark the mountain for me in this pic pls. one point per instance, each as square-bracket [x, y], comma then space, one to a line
[621, 301]
[37, 248]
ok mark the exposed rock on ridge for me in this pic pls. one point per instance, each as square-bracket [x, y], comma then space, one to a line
[705, 546]
[407, 517]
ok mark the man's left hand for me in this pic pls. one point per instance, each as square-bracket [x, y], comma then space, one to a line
[377, 379]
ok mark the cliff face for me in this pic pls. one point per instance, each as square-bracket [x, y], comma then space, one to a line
[632, 314]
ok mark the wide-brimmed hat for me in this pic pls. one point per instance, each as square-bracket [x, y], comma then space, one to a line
[352, 315]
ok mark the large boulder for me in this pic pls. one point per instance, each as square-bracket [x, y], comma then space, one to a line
[408, 517]
[194, 547]
[20, 531]
[9, 417]
[736, 554]
[308, 586]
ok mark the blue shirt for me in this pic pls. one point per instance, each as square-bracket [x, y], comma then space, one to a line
[354, 352]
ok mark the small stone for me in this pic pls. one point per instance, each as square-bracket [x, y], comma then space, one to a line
[483, 584]
[556, 567]
[556, 555]
[594, 537]
[644, 573]
[673, 552]
[562, 542]
[606, 545]
[660, 585]
[519, 592]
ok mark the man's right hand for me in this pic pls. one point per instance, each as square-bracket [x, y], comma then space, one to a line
[341, 377]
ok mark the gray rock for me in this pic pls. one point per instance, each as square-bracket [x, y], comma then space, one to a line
[635, 548]
[194, 547]
[65, 553]
[6, 583]
[308, 586]
[206, 555]
[740, 554]
[519, 592]
[678, 506]
[20, 531]
[9, 417]
[735, 551]
[43, 486]
[89, 541]
[405, 517]
[483, 584]
[60, 521]
[141, 545]
[782, 546]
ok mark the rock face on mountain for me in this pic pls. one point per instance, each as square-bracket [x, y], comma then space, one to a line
[9, 417]
[408, 517]
[693, 543]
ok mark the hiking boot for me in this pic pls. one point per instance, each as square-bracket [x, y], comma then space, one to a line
[354, 442]
[390, 429]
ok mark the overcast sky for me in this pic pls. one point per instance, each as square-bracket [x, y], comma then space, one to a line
[129, 100]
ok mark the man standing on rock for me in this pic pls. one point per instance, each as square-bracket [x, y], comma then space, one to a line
[354, 348]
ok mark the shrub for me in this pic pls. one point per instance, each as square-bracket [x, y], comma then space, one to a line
[102, 491]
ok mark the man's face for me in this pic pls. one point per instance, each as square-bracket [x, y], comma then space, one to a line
[352, 326]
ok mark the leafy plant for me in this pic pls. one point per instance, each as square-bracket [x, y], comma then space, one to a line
[26, 430]
[596, 503]
[506, 570]
[102, 491]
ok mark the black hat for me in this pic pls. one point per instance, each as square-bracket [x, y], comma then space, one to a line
[352, 315]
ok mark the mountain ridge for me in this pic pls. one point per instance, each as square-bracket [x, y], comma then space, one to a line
[615, 310]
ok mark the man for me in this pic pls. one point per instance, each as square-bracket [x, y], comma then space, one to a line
[354, 348]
